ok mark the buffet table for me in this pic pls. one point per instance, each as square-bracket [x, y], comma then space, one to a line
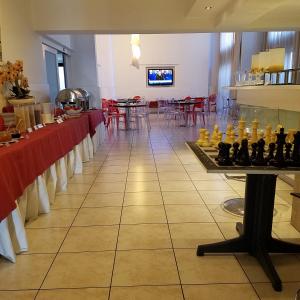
[35, 168]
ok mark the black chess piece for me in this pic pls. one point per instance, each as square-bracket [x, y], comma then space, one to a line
[260, 159]
[235, 146]
[287, 157]
[279, 160]
[224, 155]
[243, 158]
[254, 151]
[296, 150]
[270, 156]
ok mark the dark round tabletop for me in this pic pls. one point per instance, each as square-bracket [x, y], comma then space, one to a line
[129, 105]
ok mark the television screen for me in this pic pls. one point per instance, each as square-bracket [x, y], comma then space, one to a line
[160, 76]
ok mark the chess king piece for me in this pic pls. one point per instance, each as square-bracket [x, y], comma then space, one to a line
[279, 160]
[241, 128]
[268, 133]
[254, 131]
[224, 155]
[235, 146]
[243, 158]
[260, 159]
[296, 150]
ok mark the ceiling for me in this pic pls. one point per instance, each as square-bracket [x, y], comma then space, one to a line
[163, 16]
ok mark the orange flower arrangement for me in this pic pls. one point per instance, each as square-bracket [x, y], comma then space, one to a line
[12, 77]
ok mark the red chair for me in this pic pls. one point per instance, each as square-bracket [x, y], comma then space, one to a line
[198, 108]
[114, 113]
[137, 98]
[212, 103]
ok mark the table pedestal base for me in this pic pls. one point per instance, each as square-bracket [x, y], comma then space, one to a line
[255, 232]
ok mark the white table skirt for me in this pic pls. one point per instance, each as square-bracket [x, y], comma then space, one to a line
[38, 196]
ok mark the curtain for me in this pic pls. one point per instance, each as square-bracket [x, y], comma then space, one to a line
[227, 40]
[287, 40]
[230, 48]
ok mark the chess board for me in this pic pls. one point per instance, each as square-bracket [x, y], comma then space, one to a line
[207, 156]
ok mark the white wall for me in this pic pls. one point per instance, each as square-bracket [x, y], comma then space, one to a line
[19, 41]
[105, 65]
[189, 53]
[82, 66]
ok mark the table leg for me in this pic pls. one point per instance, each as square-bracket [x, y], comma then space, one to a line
[127, 111]
[256, 230]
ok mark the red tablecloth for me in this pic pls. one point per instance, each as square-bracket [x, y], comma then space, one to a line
[22, 162]
[95, 118]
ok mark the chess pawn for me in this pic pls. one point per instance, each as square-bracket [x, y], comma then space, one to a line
[270, 156]
[235, 146]
[206, 142]
[260, 159]
[243, 158]
[201, 136]
[224, 155]
[214, 135]
[254, 151]
[287, 156]
[268, 134]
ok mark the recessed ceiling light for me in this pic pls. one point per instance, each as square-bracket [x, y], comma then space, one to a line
[208, 7]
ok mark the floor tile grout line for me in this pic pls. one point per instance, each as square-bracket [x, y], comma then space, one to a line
[226, 239]
[119, 228]
[142, 285]
[174, 254]
[58, 251]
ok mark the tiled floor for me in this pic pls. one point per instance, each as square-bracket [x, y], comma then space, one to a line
[129, 227]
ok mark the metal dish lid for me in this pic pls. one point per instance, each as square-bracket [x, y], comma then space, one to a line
[84, 93]
[66, 95]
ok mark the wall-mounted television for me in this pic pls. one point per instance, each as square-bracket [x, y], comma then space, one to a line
[162, 76]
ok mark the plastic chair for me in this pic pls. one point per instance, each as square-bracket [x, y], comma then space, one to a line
[212, 103]
[137, 98]
[113, 113]
[142, 113]
[198, 109]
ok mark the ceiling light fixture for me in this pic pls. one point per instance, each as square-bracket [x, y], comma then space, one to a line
[136, 50]
[208, 7]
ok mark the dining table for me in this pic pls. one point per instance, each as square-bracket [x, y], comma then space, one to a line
[186, 104]
[128, 107]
